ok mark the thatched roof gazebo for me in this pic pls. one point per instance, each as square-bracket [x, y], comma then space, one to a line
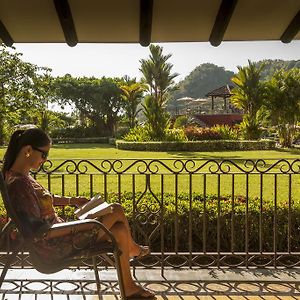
[221, 92]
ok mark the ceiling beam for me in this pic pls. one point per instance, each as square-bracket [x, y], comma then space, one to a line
[221, 22]
[291, 30]
[146, 12]
[66, 21]
[5, 36]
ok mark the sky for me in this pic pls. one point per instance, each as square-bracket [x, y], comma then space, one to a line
[117, 60]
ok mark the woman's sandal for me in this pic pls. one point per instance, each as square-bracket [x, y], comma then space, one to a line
[144, 251]
[142, 294]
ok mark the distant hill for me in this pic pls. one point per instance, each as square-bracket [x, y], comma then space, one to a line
[208, 77]
[273, 65]
[202, 80]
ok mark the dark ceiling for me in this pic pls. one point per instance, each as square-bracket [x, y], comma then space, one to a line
[148, 21]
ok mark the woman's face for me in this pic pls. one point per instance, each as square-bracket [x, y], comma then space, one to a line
[39, 156]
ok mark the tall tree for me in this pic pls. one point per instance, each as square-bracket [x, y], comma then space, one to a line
[17, 89]
[248, 96]
[98, 100]
[157, 74]
[283, 103]
[132, 95]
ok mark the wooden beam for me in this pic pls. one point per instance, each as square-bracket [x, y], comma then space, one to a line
[221, 22]
[146, 12]
[66, 21]
[5, 36]
[291, 30]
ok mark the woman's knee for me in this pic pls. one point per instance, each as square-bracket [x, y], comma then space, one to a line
[118, 208]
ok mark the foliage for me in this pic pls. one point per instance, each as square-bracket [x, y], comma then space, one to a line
[175, 134]
[80, 140]
[157, 75]
[218, 210]
[132, 95]
[157, 118]
[180, 122]
[73, 132]
[20, 83]
[97, 100]
[195, 133]
[191, 146]
[271, 66]
[226, 132]
[143, 134]
[138, 134]
[248, 95]
[121, 131]
[283, 104]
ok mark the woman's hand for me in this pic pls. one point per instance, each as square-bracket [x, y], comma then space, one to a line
[78, 201]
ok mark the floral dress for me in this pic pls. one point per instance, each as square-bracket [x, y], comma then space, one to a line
[35, 203]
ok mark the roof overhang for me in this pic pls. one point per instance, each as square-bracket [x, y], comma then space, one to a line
[147, 21]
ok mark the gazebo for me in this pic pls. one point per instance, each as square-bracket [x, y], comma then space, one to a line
[221, 92]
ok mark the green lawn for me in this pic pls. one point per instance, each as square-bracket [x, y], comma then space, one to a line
[60, 153]
[106, 151]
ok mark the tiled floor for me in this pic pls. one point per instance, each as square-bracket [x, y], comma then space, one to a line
[213, 284]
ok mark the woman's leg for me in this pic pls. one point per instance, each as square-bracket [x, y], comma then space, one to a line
[121, 234]
[116, 216]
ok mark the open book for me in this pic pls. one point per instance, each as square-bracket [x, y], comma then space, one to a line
[96, 207]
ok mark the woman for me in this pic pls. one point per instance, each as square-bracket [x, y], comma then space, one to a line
[29, 149]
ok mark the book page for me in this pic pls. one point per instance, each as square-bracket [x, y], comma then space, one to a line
[95, 201]
[98, 211]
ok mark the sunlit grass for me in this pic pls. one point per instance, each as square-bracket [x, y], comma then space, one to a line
[197, 183]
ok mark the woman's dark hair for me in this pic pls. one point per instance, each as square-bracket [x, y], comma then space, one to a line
[34, 137]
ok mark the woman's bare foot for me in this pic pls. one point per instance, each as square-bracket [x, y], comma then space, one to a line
[140, 251]
[139, 293]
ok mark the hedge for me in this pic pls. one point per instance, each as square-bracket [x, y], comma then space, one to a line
[211, 145]
[148, 216]
[74, 140]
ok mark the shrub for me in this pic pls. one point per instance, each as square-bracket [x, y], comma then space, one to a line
[121, 132]
[181, 121]
[226, 132]
[196, 145]
[75, 132]
[138, 134]
[148, 208]
[195, 133]
[175, 135]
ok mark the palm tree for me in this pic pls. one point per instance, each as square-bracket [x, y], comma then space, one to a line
[132, 95]
[283, 103]
[248, 96]
[157, 74]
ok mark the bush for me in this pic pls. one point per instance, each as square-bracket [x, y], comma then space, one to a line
[195, 133]
[121, 132]
[175, 135]
[138, 134]
[226, 132]
[100, 140]
[215, 207]
[181, 121]
[143, 134]
[196, 145]
[75, 132]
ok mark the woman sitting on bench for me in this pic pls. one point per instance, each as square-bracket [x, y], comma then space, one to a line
[28, 149]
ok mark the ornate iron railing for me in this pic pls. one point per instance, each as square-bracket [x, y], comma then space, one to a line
[196, 212]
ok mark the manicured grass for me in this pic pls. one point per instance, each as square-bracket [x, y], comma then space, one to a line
[96, 152]
[106, 151]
